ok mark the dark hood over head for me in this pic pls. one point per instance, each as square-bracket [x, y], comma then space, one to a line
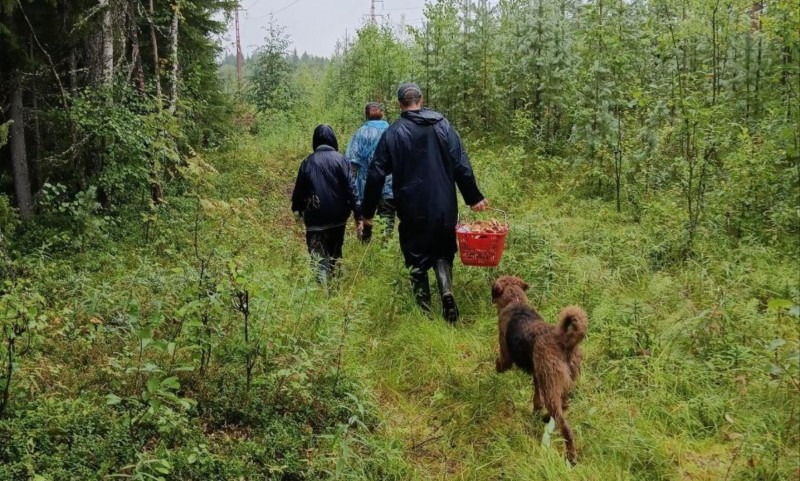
[323, 135]
[423, 117]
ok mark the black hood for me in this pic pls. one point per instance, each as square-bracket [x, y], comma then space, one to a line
[323, 135]
[423, 117]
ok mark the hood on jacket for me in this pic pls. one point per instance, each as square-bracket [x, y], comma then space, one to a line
[323, 135]
[423, 117]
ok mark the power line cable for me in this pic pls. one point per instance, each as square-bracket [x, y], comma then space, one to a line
[287, 6]
[276, 11]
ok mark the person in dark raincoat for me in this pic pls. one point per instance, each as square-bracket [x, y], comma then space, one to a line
[427, 160]
[325, 195]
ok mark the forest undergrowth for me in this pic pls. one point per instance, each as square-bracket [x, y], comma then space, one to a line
[158, 315]
[198, 346]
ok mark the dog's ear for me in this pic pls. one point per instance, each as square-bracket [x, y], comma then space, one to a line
[497, 291]
[522, 284]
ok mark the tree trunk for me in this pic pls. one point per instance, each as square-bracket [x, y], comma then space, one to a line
[136, 55]
[107, 55]
[72, 57]
[173, 76]
[757, 87]
[19, 158]
[755, 16]
[73, 71]
[156, 66]
[35, 163]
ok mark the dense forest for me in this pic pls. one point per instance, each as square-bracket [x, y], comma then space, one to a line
[158, 315]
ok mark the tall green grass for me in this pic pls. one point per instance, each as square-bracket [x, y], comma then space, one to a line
[690, 367]
[680, 377]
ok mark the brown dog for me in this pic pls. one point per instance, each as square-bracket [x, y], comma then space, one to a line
[548, 352]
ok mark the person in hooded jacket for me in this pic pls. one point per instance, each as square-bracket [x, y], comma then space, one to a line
[359, 153]
[324, 196]
[427, 160]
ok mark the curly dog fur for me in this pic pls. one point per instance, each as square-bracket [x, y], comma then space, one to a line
[548, 352]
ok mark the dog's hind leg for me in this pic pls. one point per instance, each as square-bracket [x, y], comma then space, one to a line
[538, 404]
[555, 387]
[555, 409]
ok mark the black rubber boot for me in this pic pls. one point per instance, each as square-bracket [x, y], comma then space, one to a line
[421, 288]
[444, 278]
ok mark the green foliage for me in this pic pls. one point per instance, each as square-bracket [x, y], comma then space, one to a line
[270, 88]
[21, 306]
[160, 320]
[4, 133]
[61, 439]
[111, 137]
[82, 224]
[203, 354]
[368, 68]
[9, 221]
[643, 98]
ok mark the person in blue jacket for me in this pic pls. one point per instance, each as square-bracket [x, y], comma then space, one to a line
[324, 196]
[359, 153]
[427, 160]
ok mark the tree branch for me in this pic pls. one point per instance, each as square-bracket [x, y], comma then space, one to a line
[49, 60]
[91, 13]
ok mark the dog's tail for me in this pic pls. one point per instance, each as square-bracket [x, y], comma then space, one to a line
[572, 325]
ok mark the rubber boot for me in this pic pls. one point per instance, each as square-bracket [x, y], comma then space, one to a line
[421, 288]
[323, 271]
[444, 278]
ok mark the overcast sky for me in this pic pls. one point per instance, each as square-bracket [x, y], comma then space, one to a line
[314, 26]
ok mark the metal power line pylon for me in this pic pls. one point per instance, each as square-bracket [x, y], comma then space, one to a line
[238, 51]
[373, 16]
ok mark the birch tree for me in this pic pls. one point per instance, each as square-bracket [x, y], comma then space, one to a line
[173, 77]
[107, 49]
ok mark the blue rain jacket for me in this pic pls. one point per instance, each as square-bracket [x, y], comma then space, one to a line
[360, 151]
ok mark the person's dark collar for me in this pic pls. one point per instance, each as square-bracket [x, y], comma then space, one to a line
[324, 147]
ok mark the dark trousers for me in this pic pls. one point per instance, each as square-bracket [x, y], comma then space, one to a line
[422, 245]
[325, 247]
[387, 211]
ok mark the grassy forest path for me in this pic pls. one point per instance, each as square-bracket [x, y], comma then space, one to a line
[658, 398]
